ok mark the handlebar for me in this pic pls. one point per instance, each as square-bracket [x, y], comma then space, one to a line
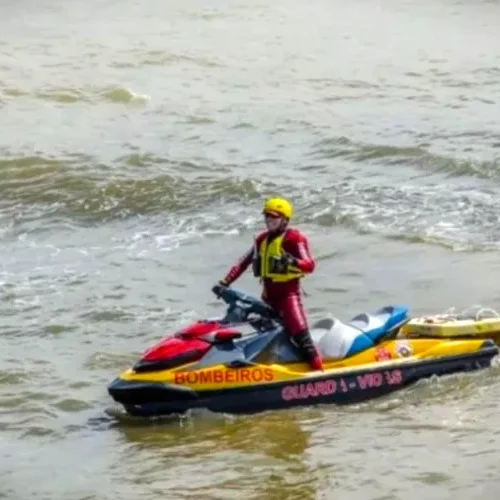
[231, 297]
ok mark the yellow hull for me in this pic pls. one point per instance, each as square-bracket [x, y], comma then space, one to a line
[388, 354]
[388, 367]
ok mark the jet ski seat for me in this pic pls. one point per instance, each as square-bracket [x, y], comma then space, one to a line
[335, 339]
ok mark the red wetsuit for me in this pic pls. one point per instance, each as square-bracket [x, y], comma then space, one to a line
[285, 296]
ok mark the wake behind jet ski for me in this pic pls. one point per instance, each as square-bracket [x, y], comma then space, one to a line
[243, 362]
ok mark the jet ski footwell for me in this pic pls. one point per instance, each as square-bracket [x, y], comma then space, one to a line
[345, 386]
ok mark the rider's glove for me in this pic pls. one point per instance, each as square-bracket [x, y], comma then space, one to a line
[280, 264]
[217, 289]
[289, 259]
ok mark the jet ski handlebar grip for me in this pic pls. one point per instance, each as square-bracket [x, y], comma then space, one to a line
[231, 296]
[218, 290]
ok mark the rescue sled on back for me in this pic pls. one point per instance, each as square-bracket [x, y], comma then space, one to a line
[473, 323]
[243, 362]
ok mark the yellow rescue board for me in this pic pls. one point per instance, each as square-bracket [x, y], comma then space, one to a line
[450, 326]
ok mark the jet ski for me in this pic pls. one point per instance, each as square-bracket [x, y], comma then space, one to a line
[243, 362]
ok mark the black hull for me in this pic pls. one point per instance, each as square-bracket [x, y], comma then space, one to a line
[154, 399]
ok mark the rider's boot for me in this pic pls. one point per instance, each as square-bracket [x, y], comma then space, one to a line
[305, 345]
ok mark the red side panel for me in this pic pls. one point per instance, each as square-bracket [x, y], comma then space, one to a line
[172, 347]
[198, 329]
[190, 344]
[227, 334]
[183, 343]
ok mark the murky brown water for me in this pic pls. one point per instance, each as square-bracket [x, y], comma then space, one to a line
[138, 142]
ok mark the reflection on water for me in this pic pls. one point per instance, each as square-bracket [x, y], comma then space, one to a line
[252, 453]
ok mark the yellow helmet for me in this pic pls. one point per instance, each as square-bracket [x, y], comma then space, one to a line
[278, 206]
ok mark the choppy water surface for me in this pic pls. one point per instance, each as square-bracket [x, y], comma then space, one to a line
[138, 142]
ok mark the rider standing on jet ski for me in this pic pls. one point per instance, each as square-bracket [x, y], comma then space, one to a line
[280, 257]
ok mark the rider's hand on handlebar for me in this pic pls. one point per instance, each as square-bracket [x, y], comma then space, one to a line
[216, 289]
